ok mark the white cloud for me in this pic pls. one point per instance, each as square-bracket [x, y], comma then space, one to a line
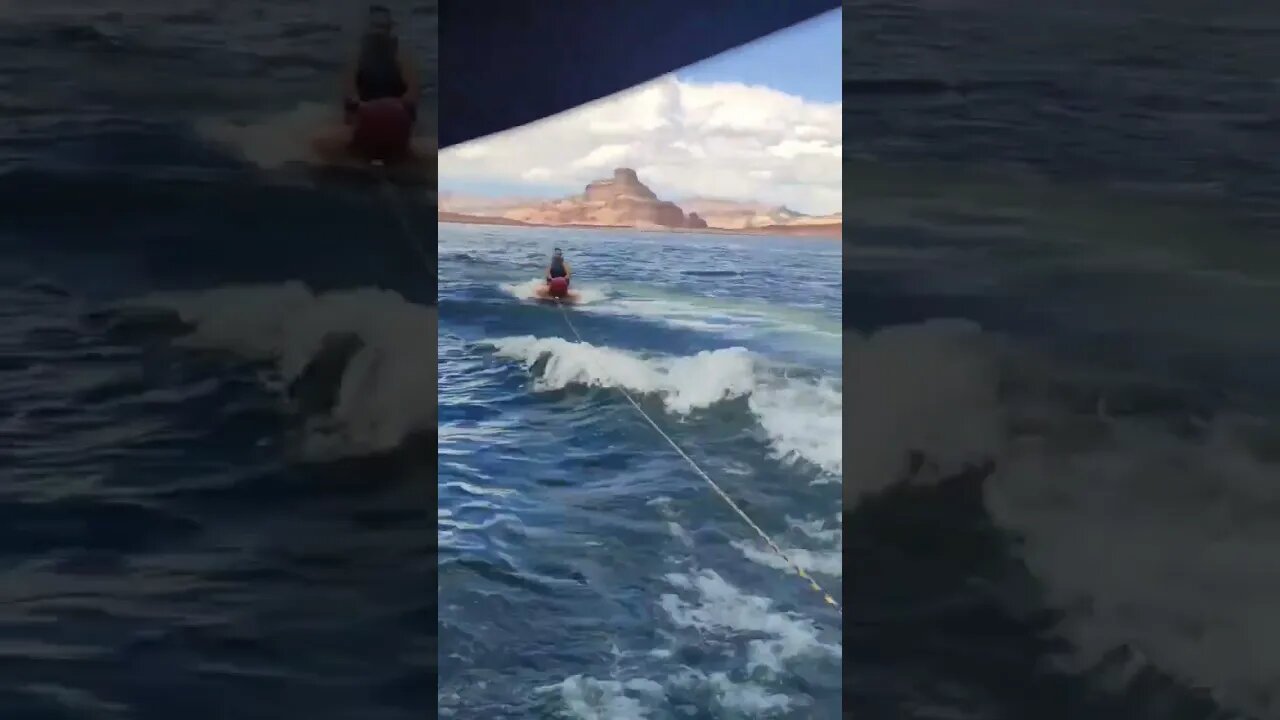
[471, 151]
[605, 156]
[720, 140]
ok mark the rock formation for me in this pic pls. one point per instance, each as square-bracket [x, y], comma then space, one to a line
[737, 214]
[621, 200]
[625, 183]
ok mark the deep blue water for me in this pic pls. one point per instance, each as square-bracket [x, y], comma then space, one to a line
[586, 570]
[184, 532]
[212, 498]
[1093, 451]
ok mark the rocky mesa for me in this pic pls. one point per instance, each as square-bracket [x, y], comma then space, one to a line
[620, 201]
[624, 201]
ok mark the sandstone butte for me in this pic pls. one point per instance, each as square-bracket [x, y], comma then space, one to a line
[624, 201]
[620, 201]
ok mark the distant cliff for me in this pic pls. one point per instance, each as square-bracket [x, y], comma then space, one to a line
[621, 201]
[735, 214]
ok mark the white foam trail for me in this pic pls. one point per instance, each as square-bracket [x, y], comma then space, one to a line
[930, 388]
[1158, 544]
[528, 290]
[801, 417]
[683, 315]
[747, 698]
[812, 561]
[587, 698]
[804, 420]
[827, 561]
[717, 607]
[273, 141]
[818, 530]
[709, 604]
[1162, 548]
[684, 383]
[813, 329]
[388, 389]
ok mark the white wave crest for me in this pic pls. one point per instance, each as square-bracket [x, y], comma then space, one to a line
[1158, 543]
[801, 417]
[387, 390]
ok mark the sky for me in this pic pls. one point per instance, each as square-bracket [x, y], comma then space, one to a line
[761, 122]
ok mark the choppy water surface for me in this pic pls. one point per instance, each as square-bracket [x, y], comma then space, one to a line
[1059, 295]
[1091, 530]
[208, 508]
[586, 570]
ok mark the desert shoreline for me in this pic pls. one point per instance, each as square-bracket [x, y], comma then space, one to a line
[831, 231]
